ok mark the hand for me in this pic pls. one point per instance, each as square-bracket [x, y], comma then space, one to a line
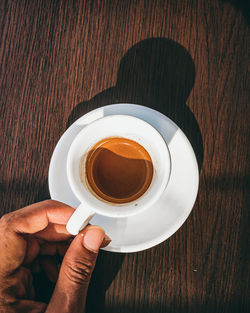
[38, 232]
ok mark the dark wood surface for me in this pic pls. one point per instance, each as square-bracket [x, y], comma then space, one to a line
[187, 59]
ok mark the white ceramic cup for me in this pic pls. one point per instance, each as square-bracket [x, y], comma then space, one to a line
[115, 126]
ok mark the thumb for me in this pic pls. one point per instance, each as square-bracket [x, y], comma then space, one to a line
[77, 266]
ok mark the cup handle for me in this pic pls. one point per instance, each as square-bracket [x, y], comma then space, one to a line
[79, 219]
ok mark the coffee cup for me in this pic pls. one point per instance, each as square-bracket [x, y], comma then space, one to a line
[122, 149]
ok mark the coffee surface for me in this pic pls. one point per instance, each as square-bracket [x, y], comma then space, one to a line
[118, 170]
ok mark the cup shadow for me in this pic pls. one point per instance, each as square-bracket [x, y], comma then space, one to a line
[158, 73]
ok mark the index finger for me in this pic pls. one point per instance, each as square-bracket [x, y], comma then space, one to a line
[37, 216]
[29, 220]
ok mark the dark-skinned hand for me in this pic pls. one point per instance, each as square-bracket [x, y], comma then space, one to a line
[35, 238]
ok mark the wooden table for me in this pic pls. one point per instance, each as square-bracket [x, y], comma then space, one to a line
[187, 59]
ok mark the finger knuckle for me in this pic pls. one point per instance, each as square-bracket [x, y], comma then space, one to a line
[6, 219]
[79, 270]
[46, 203]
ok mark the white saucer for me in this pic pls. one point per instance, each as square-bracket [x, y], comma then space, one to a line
[157, 223]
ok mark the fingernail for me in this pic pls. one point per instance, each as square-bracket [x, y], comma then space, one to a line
[93, 238]
[107, 238]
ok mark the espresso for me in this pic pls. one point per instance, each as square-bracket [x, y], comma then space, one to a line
[118, 170]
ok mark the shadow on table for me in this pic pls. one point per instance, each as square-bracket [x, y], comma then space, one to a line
[158, 73]
[107, 267]
[241, 5]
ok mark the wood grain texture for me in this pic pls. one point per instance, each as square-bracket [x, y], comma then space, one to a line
[187, 59]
